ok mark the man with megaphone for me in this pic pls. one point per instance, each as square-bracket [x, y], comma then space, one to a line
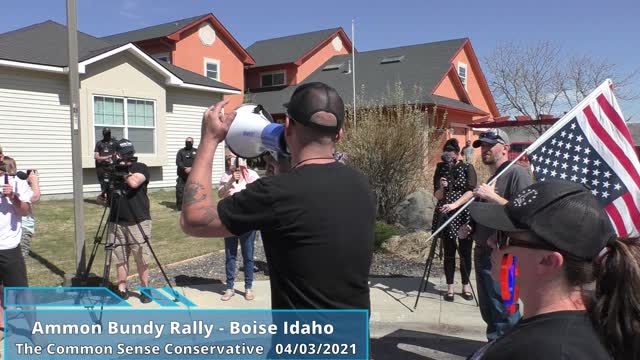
[316, 219]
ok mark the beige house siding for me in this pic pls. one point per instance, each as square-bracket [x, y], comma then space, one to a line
[35, 126]
[184, 116]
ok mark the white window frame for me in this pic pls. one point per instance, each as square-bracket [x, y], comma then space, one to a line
[273, 73]
[212, 61]
[466, 73]
[165, 55]
[126, 125]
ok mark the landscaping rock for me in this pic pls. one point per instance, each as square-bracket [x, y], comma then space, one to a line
[416, 211]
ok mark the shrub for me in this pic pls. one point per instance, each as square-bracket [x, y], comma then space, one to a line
[391, 145]
[383, 232]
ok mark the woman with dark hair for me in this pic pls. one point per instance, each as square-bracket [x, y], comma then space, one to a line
[453, 184]
[578, 281]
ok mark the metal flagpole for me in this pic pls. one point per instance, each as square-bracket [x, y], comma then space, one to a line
[543, 138]
[353, 74]
[76, 151]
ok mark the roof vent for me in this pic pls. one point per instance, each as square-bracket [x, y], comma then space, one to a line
[348, 69]
[330, 67]
[391, 59]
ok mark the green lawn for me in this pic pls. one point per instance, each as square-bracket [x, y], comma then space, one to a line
[53, 254]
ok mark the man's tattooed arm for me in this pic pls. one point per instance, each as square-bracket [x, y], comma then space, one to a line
[193, 193]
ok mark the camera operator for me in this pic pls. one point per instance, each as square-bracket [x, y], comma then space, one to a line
[453, 183]
[130, 218]
[103, 154]
[184, 162]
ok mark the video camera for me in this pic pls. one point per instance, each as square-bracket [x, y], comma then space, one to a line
[115, 173]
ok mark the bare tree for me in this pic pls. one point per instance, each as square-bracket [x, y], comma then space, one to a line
[525, 79]
[584, 73]
[540, 79]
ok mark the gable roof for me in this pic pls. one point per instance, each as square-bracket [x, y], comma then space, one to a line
[289, 49]
[38, 47]
[418, 67]
[172, 31]
[151, 32]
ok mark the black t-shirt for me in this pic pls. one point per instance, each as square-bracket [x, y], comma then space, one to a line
[137, 198]
[104, 148]
[565, 335]
[317, 225]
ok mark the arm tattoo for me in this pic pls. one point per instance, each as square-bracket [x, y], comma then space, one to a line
[193, 194]
[209, 214]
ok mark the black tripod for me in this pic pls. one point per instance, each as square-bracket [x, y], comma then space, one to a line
[117, 195]
[424, 282]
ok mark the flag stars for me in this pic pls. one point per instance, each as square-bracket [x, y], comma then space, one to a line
[576, 158]
[597, 162]
[553, 142]
[584, 180]
[587, 151]
[545, 171]
[553, 173]
[547, 161]
[574, 178]
[579, 138]
[578, 148]
[575, 168]
[564, 166]
[573, 126]
[586, 161]
[617, 187]
[558, 153]
[595, 182]
[568, 146]
[594, 192]
[555, 163]
[570, 136]
[544, 149]
[565, 156]
[563, 176]
[607, 174]
[563, 133]
[596, 172]
[585, 171]
[606, 184]
[605, 194]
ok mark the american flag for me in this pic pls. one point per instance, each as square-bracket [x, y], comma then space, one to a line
[591, 145]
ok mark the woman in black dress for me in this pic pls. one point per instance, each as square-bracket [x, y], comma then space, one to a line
[453, 184]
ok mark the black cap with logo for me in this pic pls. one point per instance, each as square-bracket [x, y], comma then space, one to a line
[562, 213]
[314, 97]
[125, 147]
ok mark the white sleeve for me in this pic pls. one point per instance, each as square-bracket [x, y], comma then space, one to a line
[23, 190]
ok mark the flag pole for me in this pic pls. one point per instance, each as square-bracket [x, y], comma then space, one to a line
[543, 138]
[353, 73]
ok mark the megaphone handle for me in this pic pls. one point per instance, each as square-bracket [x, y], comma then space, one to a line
[237, 167]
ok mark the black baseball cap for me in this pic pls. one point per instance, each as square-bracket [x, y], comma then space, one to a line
[125, 147]
[493, 136]
[314, 97]
[562, 213]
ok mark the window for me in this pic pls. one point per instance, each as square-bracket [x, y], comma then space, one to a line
[391, 59]
[462, 73]
[133, 119]
[212, 69]
[272, 79]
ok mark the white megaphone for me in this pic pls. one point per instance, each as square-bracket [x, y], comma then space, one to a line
[253, 133]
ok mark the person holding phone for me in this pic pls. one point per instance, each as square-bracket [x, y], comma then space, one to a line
[454, 181]
[235, 179]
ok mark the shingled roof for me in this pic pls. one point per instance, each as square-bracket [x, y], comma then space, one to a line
[287, 49]
[417, 67]
[151, 32]
[41, 44]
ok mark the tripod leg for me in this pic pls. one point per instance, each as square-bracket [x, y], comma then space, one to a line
[97, 239]
[427, 270]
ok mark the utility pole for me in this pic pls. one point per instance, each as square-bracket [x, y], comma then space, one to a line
[353, 74]
[76, 150]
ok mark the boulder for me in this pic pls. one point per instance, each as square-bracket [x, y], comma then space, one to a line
[416, 211]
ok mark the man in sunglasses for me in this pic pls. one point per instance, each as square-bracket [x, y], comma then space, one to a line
[494, 146]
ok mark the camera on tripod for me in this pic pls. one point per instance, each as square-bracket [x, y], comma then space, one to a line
[115, 174]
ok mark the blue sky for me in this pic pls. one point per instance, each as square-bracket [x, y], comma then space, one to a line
[608, 30]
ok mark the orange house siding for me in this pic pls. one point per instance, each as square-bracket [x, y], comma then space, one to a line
[473, 87]
[447, 89]
[318, 58]
[190, 54]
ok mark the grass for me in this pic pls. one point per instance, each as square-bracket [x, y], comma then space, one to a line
[53, 253]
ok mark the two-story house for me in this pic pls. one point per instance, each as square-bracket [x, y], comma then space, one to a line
[200, 44]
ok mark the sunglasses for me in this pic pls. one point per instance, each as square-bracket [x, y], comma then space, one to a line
[504, 240]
